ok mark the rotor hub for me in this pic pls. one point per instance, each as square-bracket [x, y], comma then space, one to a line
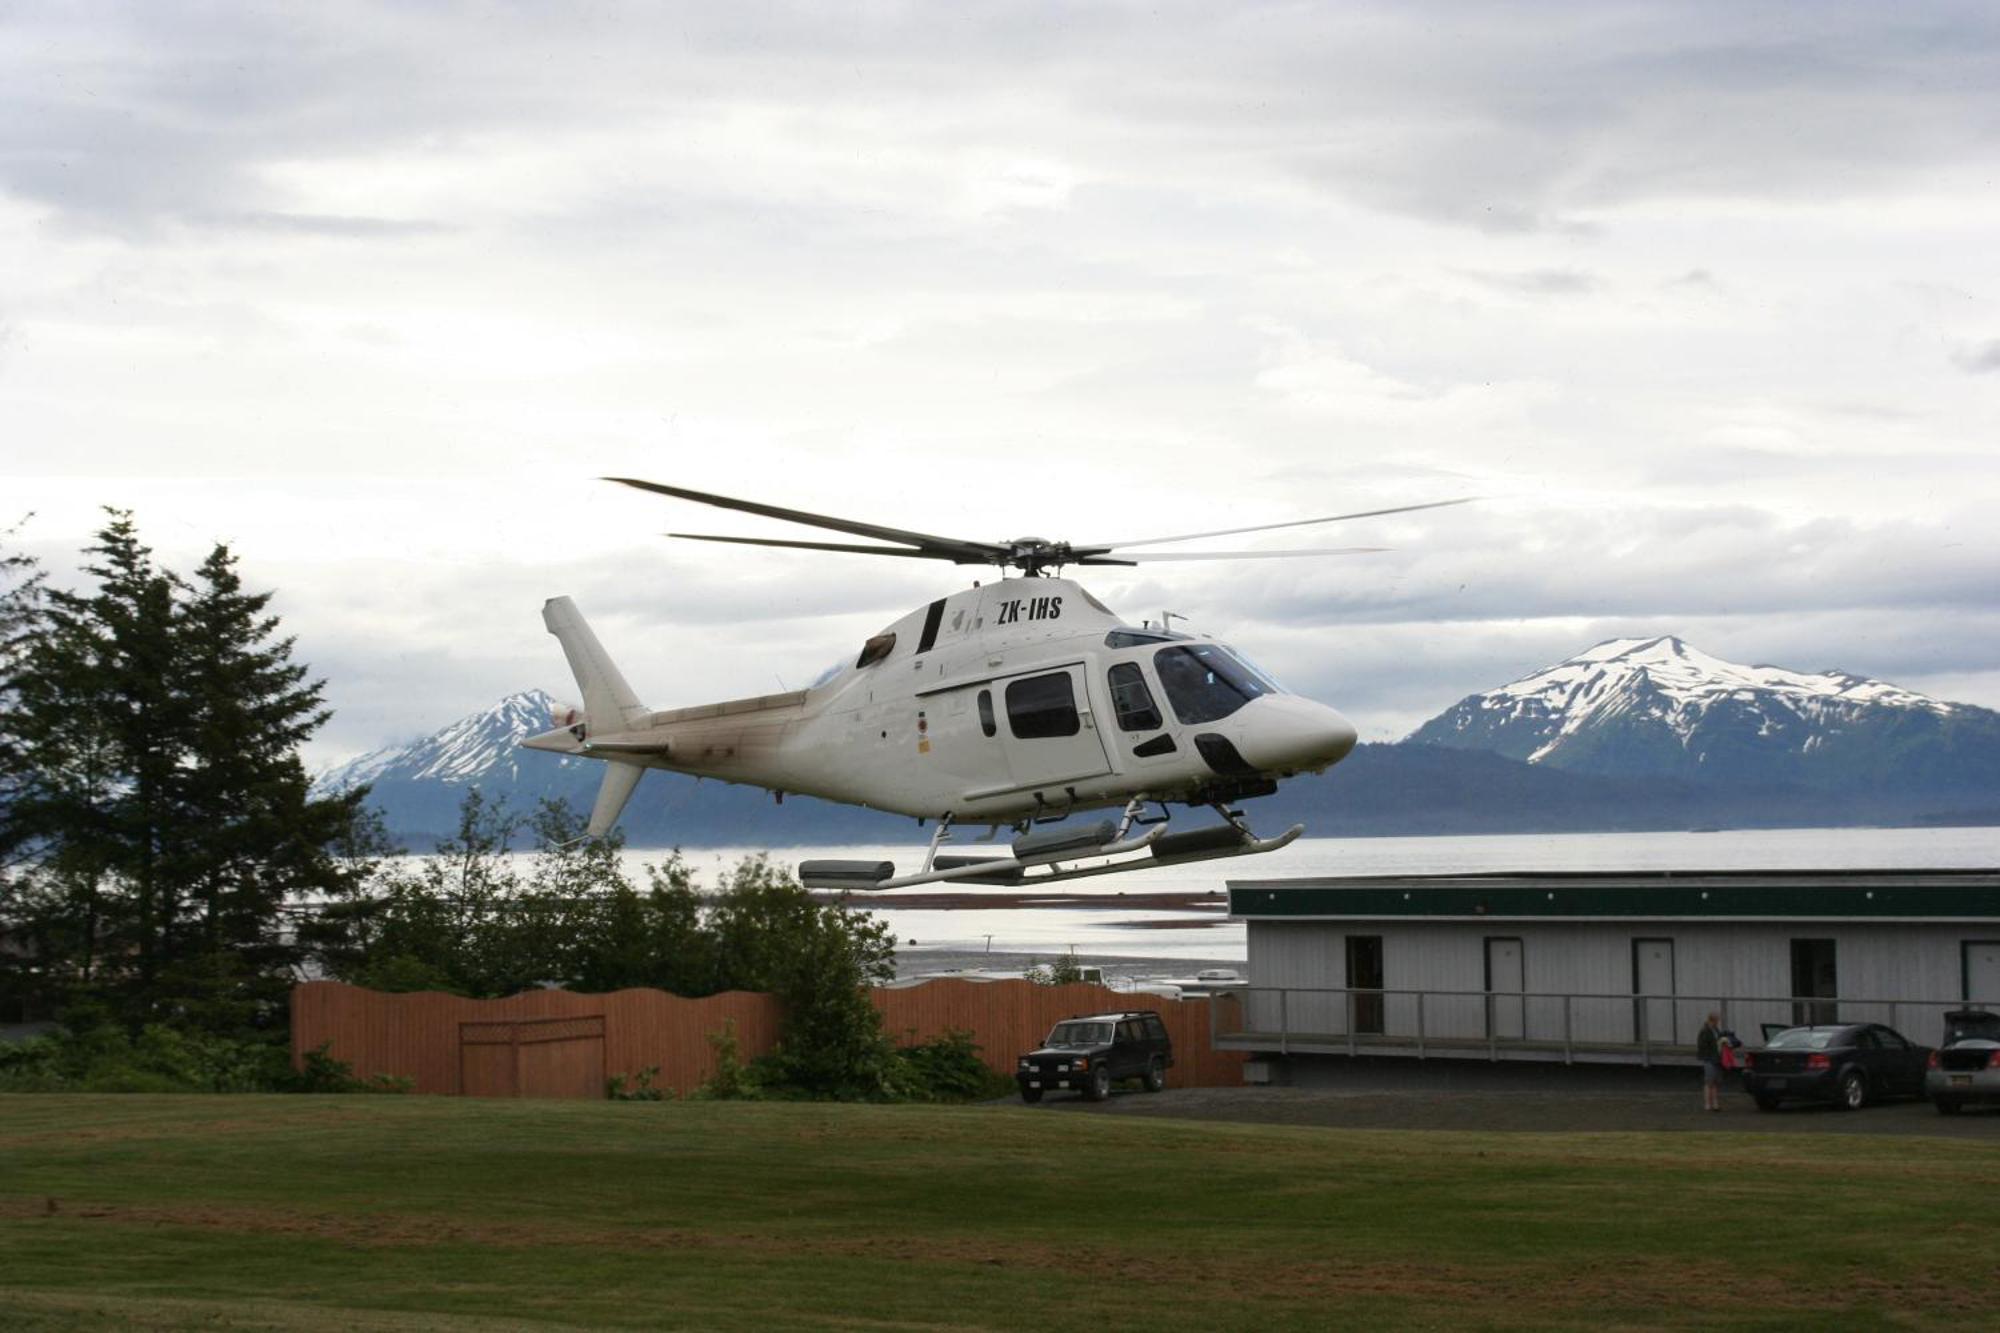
[1031, 555]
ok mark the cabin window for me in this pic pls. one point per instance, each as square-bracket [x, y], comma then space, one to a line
[1042, 706]
[1204, 682]
[1132, 700]
[986, 723]
[875, 650]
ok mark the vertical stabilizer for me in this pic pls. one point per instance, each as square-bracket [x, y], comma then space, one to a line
[608, 702]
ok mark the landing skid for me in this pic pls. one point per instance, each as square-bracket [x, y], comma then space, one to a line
[1108, 848]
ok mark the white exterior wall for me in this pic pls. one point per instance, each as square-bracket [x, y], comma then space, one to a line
[1743, 968]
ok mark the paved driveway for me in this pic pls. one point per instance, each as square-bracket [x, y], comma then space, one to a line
[1567, 1101]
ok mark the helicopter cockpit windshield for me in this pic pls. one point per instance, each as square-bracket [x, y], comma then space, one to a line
[1206, 682]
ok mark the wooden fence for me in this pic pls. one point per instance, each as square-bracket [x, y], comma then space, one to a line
[556, 1043]
[422, 1035]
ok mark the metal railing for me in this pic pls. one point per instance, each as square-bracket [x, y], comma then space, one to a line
[1572, 1023]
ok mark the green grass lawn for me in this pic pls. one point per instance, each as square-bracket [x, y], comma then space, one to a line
[401, 1213]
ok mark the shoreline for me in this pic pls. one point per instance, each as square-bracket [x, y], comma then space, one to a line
[949, 900]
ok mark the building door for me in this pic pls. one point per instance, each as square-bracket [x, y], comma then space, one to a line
[1815, 982]
[1364, 981]
[1653, 989]
[1506, 1015]
[532, 1057]
[1982, 971]
[1050, 735]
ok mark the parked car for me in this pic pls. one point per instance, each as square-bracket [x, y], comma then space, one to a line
[1848, 1064]
[1091, 1053]
[1967, 1068]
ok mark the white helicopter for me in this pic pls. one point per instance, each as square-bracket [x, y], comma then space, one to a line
[1010, 705]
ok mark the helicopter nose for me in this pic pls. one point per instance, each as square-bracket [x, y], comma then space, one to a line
[1283, 732]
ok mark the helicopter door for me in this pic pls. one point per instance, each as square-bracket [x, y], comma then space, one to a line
[1049, 733]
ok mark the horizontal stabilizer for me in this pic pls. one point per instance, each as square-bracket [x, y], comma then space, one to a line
[651, 745]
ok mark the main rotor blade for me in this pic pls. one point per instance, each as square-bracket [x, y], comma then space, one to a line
[831, 546]
[1152, 557]
[971, 552]
[1268, 527]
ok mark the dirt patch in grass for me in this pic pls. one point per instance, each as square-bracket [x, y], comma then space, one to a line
[140, 1130]
[1555, 1285]
[33, 1311]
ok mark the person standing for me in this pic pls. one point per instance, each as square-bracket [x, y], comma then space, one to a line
[1708, 1050]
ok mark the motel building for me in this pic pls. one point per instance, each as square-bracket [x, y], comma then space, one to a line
[1596, 968]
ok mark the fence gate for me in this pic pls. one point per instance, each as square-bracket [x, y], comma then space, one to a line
[533, 1057]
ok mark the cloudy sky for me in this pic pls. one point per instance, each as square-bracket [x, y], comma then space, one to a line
[1704, 301]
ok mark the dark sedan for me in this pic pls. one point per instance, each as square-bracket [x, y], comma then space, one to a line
[1848, 1064]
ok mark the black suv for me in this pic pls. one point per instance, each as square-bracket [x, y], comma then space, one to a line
[1091, 1053]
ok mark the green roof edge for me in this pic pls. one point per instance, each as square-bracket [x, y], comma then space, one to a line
[1724, 895]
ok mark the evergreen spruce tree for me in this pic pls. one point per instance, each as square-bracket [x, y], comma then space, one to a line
[164, 807]
[252, 833]
[102, 741]
[21, 615]
[21, 582]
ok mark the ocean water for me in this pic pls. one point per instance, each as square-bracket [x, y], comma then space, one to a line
[1101, 928]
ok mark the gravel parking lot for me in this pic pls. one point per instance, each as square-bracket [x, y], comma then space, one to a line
[1522, 1099]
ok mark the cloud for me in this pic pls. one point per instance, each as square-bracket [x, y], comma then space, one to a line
[306, 224]
[1502, 122]
[1538, 282]
[374, 291]
[1639, 562]
[1982, 359]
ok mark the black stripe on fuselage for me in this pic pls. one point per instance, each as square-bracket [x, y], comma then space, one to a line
[932, 619]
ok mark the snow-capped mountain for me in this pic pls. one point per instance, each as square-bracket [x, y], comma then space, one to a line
[476, 748]
[418, 786]
[1660, 708]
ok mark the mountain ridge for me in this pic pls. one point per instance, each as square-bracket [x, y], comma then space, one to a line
[1660, 707]
[1631, 734]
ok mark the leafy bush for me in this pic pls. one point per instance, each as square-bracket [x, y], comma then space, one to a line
[732, 1080]
[166, 1059]
[30, 1066]
[637, 1088]
[947, 1068]
[158, 1059]
[319, 1071]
